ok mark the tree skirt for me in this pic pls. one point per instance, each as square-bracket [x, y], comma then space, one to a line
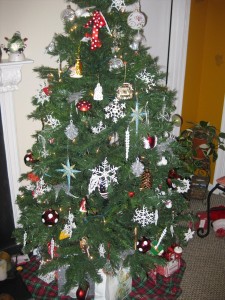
[163, 288]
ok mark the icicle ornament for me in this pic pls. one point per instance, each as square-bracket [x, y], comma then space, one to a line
[127, 143]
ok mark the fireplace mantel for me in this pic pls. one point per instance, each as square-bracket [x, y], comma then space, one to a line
[10, 74]
[10, 77]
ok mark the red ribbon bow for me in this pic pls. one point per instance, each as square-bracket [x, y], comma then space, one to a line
[98, 22]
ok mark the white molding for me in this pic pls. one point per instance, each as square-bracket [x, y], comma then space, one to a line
[10, 74]
[10, 77]
[220, 166]
[178, 51]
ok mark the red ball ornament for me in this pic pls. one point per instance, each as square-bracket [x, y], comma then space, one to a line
[131, 194]
[84, 106]
[173, 174]
[47, 90]
[29, 159]
[152, 140]
[81, 293]
[143, 245]
[50, 217]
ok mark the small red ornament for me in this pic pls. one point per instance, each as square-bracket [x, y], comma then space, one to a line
[50, 217]
[83, 205]
[32, 177]
[173, 174]
[144, 244]
[131, 194]
[84, 105]
[152, 140]
[81, 293]
[47, 90]
[29, 159]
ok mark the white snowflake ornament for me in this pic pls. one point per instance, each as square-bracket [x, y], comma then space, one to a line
[52, 121]
[185, 186]
[188, 235]
[42, 95]
[104, 175]
[118, 4]
[97, 129]
[115, 110]
[148, 79]
[144, 217]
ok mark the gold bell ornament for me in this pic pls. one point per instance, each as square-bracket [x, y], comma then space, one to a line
[76, 70]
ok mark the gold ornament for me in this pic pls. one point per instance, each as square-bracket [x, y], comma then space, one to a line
[125, 92]
[146, 180]
[177, 120]
[76, 70]
[63, 235]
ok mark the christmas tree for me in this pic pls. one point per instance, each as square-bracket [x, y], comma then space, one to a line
[106, 182]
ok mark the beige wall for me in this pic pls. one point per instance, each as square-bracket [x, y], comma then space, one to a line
[37, 20]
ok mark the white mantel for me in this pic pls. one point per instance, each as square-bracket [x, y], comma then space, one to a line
[10, 77]
[10, 74]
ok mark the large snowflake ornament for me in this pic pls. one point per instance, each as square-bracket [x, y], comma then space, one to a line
[115, 110]
[104, 175]
[144, 217]
[148, 79]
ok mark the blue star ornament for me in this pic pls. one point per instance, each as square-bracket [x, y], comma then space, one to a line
[137, 115]
[68, 171]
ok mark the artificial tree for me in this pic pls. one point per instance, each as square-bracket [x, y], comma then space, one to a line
[105, 182]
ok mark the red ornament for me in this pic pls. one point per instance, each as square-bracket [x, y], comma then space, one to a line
[29, 159]
[32, 177]
[50, 217]
[131, 194]
[47, 90]
[144, 244]
[173, 174]
[55, 254]
[152, 140]
[83, 205]
[81, 293]
[84, 105]
[170, 183]
[98, 22]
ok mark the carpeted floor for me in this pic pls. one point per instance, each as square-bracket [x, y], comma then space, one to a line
[204, 277]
